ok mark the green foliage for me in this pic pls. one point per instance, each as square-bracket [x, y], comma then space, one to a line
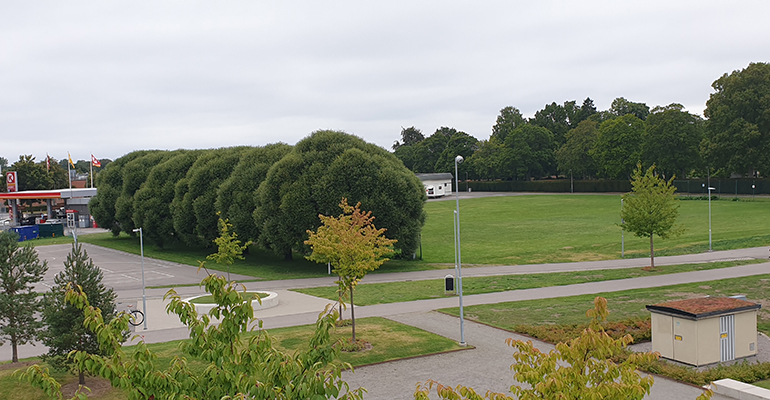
[575, 155]
[134, 175]
[195, 217]
[618, 146]
[638, 328]
[651, 208]
[322, 169]
[152, 202]
[738, 125]
[229, 248]
[529, 152]
[110, 183]
[31, 175]
[621, 107]
[672, 140]
[509, 119]
[236, 195]
[580, 368]
[20, 270]
[352, 245]
[65, 329]
[254, 370]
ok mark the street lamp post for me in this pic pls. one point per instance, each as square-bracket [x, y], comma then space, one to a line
[144, 296]
[458, 160]
[709, 191]
[753, 186]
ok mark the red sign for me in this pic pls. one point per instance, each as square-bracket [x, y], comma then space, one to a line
[10, 181]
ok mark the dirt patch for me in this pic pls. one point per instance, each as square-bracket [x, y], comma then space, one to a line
[98, 386]
[567, 248]
[17, 365]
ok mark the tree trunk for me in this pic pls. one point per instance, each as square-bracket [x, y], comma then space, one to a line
[652, 254]
[81, 378]
[287, 255]
[15, 356]
[352, 314]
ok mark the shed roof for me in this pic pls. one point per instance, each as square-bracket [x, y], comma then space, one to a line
[703, 307]
[435, 177]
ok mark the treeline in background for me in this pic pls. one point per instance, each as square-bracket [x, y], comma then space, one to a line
[577, 140]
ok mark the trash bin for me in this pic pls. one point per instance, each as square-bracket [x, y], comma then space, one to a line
[449, 284]
[51, 230]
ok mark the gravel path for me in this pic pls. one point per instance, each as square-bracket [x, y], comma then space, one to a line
[485, 367]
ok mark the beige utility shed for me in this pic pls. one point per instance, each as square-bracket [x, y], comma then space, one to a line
[705, 330]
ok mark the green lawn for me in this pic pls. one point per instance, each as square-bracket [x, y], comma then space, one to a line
[622, 305]
[396, 292]
[390, 341]
[562, 228]
[513, 230]
[763, 384]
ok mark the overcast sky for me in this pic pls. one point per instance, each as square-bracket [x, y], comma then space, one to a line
[110, 77]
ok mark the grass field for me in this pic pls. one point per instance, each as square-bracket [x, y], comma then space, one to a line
[622, 305]
[390, 340]
[514, 230]
[395, 292]
[536, 229]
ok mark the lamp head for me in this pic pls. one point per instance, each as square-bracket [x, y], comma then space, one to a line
[459, 159]
[137, 229]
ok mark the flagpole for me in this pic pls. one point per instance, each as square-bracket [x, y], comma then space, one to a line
[92, 170]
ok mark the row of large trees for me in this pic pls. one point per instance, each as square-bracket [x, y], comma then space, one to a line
[581, 140]
[272, 195]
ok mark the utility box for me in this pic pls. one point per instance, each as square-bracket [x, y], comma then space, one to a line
[705, 330]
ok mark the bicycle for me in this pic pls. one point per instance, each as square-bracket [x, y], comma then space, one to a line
[137, 316]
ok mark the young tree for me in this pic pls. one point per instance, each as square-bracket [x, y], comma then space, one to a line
[229, 248]
[581, 368]
[352, 245]
[651, 208]
[20, 269]
[233, 369]
[65, 329]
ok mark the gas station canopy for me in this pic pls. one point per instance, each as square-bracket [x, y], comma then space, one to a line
[49, 194]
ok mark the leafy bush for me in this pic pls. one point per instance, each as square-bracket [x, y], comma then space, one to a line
[638, 328]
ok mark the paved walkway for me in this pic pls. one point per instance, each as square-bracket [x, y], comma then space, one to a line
[484, 367]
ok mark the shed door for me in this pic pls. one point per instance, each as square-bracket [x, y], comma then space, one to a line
[727, 337]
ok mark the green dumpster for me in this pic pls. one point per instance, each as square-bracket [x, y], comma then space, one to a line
[51, 230]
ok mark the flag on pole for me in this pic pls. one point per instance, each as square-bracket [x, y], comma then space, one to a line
[69, 157]
[47, 162]
[95, 162]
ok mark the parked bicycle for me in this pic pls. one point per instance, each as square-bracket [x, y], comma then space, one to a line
[137, 316]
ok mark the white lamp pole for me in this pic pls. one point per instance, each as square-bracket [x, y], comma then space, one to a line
[709, 191]
[144, 296]
[458, 160]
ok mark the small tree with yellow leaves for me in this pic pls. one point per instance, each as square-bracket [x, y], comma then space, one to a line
[352, 245]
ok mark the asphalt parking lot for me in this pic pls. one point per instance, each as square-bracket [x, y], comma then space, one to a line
[123, 271]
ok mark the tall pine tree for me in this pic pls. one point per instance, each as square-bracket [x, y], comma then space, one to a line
[64, 330]
[20, 269]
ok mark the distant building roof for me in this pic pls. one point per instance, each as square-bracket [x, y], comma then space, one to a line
[435, 177]
[703, 307]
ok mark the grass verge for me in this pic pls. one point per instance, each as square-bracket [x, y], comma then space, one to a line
[390, 341]
[622, 305]
[396, 292]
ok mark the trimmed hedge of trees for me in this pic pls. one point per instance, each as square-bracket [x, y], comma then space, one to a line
[271, 194]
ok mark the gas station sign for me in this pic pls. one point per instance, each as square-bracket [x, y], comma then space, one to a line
[10, 181]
